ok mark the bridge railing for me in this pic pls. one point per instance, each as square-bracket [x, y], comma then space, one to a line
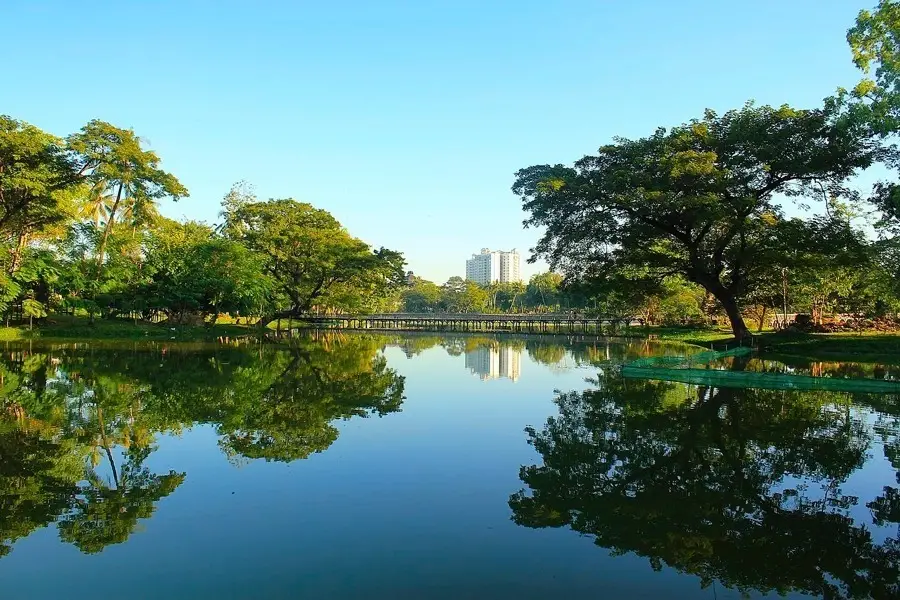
[546, 317]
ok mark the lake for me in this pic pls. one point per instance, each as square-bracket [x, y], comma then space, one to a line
[423, 466]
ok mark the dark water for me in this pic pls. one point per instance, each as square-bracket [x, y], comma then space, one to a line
[428, 467]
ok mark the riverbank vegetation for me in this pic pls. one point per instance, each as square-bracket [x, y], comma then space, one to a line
[81, 232]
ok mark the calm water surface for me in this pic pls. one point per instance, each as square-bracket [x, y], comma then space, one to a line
[435, 467]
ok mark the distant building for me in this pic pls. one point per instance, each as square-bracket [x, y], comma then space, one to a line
[493, 266]
[410, 278]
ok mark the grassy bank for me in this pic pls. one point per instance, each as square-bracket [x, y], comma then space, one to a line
[68, 327]
[865, 347]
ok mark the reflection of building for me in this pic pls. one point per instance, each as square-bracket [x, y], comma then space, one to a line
[495, 362]
[492, 266]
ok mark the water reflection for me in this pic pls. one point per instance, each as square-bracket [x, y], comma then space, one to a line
[500, 356]
[78, 425]
[495, 361]
[756, 489]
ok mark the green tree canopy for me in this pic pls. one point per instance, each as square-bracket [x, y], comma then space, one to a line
[310, 256]
[192, 270]
[459, 295]
[700, 200]
[112, 159]
[37, 180]
[422, 296]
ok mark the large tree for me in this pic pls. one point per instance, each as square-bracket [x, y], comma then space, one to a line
[192, 271]
[459, 295]
[422, 296]
[703, 199]
[875, 42]
[312, 259]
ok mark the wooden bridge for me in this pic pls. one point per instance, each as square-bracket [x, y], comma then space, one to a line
[544, 323]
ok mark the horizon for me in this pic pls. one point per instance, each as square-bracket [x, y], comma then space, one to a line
[407, 122]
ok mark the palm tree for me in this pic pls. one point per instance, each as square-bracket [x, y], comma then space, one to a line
[98, 205]
[138, 214]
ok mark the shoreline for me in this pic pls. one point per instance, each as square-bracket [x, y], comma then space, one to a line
[858, 347]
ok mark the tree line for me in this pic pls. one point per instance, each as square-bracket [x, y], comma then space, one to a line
[541, 294]
[866, 289]
[80, 230]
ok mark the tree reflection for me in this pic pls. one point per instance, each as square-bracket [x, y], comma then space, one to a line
[741, 486]
[288, 414]
[78, 427]
[105, 514]
[38, 479]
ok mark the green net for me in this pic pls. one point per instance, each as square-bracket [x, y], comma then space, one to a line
[687, 362]
[689, 369]
[768, 381]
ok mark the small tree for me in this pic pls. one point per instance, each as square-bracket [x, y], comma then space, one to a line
[32, 309]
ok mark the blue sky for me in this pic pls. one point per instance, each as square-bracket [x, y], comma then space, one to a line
[408, 119]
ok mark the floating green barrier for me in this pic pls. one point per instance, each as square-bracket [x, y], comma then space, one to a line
[683, 369]
[768, 381]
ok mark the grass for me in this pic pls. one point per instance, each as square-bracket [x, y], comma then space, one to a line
[861, 347]
[69, 327]
[858, 347]
[699, 335]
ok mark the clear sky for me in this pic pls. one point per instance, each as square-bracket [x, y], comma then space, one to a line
[406, 119]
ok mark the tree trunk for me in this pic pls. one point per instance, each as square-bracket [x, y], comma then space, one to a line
[738, 327]
[762, 318]
[106, 230]
[17, 253]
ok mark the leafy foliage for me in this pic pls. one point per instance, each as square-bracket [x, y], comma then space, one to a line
[697, 200]
[311, 259]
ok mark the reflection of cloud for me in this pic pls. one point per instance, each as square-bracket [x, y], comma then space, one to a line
[495, 362]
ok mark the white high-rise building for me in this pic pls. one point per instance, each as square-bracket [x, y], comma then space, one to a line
[493, 266]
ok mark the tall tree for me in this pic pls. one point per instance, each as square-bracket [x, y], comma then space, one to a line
[875, 42]
[459, 295]
[190, 271]
[700, 199]
[112, 158]
[543, 289]
[422, 296]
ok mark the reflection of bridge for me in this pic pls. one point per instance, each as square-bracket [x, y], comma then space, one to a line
[569, 323]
